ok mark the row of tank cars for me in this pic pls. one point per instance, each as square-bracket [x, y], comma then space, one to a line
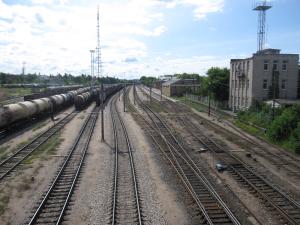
[15, 113]
[85, 98]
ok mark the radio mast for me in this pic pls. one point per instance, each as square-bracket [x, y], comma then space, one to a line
[261, 7]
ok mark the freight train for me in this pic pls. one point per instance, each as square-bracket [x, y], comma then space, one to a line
[84, 99]
[13, 113]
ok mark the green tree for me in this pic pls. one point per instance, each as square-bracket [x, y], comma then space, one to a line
[218, 83]
[283, 125]
[148, 81]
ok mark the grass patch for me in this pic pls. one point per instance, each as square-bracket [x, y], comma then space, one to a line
[249, 129]
[46, 149]
[154, 106]
[39, 126]
[3, 152]
[16, 91]
[4, 200]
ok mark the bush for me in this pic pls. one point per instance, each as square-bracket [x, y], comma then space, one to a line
[283, 125]
[295, 139]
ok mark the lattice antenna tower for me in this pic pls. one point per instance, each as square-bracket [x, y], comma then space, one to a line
[99, 62]
[261, 7]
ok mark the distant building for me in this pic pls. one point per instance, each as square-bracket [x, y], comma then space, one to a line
[179, 87]
[251, 78]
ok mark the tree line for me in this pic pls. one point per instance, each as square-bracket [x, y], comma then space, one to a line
[66, 79]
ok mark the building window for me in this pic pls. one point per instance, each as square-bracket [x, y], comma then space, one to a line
[284, 65]
[266, 65]
[265, 84]
[275, 65]
[283, 84]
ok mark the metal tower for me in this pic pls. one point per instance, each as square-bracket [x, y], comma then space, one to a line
[261, 7]
[98, 46]
[99, 72]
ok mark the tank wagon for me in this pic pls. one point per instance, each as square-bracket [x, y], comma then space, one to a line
[84, 99]
[13, 114]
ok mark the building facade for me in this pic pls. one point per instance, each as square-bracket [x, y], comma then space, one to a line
[251, 79]
[179, 87]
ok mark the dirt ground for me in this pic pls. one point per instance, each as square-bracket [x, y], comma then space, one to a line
[21, 137]
[23, 190]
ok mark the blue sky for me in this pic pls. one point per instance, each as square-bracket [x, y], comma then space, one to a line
[138, 37]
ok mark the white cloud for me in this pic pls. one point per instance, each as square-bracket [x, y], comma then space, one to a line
[55, 36]
[201, 7]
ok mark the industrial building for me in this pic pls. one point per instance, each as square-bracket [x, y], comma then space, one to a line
[252, 79]
[179, 87]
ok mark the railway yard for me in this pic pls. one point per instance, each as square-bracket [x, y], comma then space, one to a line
[161, 162]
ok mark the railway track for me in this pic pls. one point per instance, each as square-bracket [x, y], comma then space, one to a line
[284, 207]
[213, 209]
[54, 204]
[281, 158]
[126, 203]
[8, 165]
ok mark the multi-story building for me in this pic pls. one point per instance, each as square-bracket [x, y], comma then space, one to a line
[251, 79]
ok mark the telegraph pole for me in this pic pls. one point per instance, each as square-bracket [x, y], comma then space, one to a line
[274, 77]
[209, 103]
[124, 99]
[92, 67]
[150, 93]
[134, 93]
[161, 91]
[98, 73]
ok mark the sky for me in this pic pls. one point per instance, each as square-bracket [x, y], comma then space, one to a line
[138, 37]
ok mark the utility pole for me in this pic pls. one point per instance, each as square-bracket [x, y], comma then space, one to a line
[134, 93]
[124, 99]
[98, 73]
[208, 103]
[92, 67]
[23, 72]
[274, 78]
[150, 93]
[161, 91]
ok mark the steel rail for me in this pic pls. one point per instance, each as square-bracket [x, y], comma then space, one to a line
[88, 127]
[239, 171]
[132, 165]
[10, 163]
[192, 166]
[233, 165]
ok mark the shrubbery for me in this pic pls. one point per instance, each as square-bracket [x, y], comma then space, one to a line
[284, 129]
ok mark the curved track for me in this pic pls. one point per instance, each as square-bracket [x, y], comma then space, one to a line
[213, 208]
[126, 204]
[53, 205]
[9, 164]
